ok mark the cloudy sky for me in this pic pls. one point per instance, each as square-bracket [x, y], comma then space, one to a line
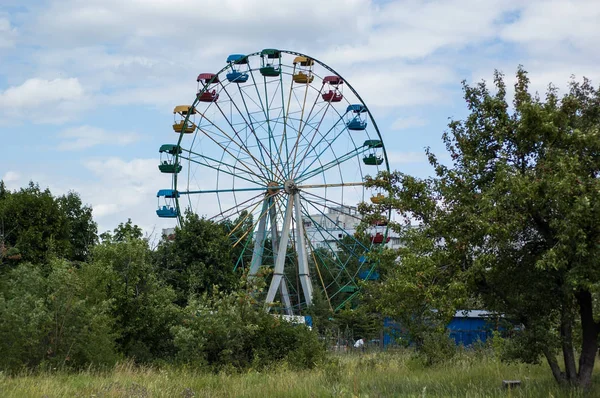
[87, 87]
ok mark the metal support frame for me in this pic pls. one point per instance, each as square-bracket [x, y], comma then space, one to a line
[283, 289]
[280, 251]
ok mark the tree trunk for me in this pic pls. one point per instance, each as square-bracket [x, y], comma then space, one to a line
[566, 338]
[559, 376]
[589, 345]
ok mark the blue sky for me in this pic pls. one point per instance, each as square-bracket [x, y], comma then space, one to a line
[87, 88]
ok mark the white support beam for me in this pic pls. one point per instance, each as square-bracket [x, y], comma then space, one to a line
[283, 290]
[303, 270]
[281, 252]
[259, 241]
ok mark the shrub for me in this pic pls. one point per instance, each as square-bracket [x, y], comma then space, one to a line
[230, 330]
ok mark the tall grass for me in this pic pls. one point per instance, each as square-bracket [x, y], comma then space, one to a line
[394, 373]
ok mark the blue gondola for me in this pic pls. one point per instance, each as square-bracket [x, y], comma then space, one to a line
[167, 210]
[237, 76]
[357, 122]
[365, 275]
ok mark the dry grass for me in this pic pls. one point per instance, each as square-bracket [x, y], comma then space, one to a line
[352, 375]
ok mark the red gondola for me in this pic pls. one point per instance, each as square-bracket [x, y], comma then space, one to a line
[379, 238]
[334, 94]
[207, 79]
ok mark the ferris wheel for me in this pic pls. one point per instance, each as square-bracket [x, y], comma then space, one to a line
[275, 147]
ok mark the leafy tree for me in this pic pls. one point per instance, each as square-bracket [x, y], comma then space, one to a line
[142, 304]
[197, 259]
[57, 320]
[38, 226]
[82, 230]
[513, 222]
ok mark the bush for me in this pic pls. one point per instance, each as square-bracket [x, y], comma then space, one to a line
[436, 347]
[54, 321]
[230, 330]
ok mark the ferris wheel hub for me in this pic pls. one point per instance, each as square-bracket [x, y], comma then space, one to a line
[290, 187]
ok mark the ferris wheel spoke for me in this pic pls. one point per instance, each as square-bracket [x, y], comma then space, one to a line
[312, 148]
[342, 266]
[250, 124]
[303, 126]
[236, 209]
[261, 217]
[274, 165]
[356, 241]
[227, 190]
[286, 113]
[338, 205]
[271, 140]
[226, 150]
[243, 145]
[233, 173]
[207, 134]
[317, 268]
[308, 174]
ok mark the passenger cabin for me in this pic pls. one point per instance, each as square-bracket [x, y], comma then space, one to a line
[378, 199]
[168, 163]
[303, 78]
[180, 113]
[373, 144]
[167, 210]
[304, 74]
[205, 94]
[267, 68]
[183, 127]
[372, 160]
[237, 75]
[368, 275]
[357, 122]
[334, 93]
[378, 238]
[348, 289]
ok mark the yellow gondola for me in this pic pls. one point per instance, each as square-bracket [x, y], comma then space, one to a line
[184, 109]
[179, 126]
[378, 199]
[304, 61]
[303, 78]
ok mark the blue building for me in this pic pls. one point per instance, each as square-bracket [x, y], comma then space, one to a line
[466, 328]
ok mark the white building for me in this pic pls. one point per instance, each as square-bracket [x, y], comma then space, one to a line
[325, 229]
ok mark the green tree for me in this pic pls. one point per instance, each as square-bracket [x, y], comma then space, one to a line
[38, 226]
[142, 304]
[58, 320]
[512, 223]
[197, 259]
[82, 230]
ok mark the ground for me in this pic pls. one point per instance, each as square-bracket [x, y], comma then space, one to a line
[400, 374]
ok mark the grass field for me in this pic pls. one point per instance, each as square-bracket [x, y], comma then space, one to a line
[346, 375]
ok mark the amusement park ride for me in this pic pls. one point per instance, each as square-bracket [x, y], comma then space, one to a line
[270, 141]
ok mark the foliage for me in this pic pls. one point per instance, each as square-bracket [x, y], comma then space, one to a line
[198, 258]
[39, 226]
[54, 320]
[143, 305]
[230, 330]
[513, 223]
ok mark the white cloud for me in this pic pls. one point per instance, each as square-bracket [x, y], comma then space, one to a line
[403, 123]
[84, 137]
[53, 101]
[11, 176]
[120, 189]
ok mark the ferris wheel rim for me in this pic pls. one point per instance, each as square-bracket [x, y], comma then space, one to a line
[301, 175]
